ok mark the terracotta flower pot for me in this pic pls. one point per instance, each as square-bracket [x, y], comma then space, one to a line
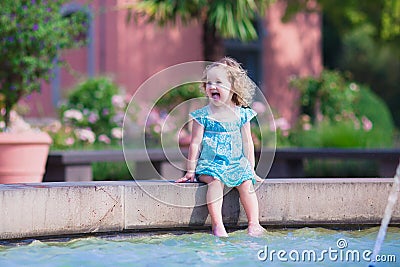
[23, 157]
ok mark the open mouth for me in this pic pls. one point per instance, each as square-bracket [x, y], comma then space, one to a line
[215, 95]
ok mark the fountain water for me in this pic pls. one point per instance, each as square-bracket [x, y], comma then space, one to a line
[394, 193]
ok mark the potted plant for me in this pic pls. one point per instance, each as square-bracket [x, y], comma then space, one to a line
[32, 36]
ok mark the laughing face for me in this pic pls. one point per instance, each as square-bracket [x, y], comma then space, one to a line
[218, 87]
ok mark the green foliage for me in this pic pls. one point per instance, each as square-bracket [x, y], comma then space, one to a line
[342, 114]
[361, 38]
[373, 63]
[110, 171]
[95, 111]
[375, 109]
[328, 94]
[384, 15]
[231, 19]
[33, 34]
[234, 19]
[343, 134]
[391, 19]
[179, 94]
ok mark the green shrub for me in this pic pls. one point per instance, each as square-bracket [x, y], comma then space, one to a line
[327, 95]
[338, 113]
[374, 63]
[328, 134]
[94, 111]
[32, 35]
[376, 110]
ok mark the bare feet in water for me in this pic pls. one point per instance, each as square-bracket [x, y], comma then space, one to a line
[219, 230]
[256, 230]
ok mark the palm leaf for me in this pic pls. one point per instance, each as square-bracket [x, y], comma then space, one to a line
[231, 18]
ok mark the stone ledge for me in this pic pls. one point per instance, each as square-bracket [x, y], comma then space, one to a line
[45, 209]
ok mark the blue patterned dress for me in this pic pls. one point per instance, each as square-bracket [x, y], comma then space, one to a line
[221, 154]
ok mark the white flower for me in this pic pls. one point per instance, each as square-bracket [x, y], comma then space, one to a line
[305, 118]
[73, 114]
[55, 126]
[86, 135]
[157, 128]
[69, 141]
[93, 117]
[118, 101]
[104, 138]
[307, 126]
[18, 124]
[116, 133]
[259, 107]
[353, 87]
[367, 124]
[153, 118]
[282, 124]
[118, 118]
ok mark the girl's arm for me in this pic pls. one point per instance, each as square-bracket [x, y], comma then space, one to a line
[194, 151]
[248, 147]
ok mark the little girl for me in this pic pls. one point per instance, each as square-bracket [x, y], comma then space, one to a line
[222, 150]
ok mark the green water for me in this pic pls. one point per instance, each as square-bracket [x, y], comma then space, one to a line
[203, 249]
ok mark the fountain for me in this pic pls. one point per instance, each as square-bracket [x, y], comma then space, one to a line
[394, 193]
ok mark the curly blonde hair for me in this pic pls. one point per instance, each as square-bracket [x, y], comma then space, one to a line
[242, 86]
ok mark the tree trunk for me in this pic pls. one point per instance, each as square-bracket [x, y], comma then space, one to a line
[8, 107]
[213, 44]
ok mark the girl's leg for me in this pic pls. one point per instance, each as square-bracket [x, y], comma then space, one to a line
[250, 204]
[215, 192]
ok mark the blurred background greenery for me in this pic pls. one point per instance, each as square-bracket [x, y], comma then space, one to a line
[362, 39]
[353, 103]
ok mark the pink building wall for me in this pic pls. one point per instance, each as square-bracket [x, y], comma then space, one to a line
[131, 53]
[291, 49]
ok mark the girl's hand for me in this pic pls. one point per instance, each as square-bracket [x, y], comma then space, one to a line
[258, 178]
[188, 177]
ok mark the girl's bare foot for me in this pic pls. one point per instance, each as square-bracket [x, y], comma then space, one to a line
[219, 230]
[256, 230]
